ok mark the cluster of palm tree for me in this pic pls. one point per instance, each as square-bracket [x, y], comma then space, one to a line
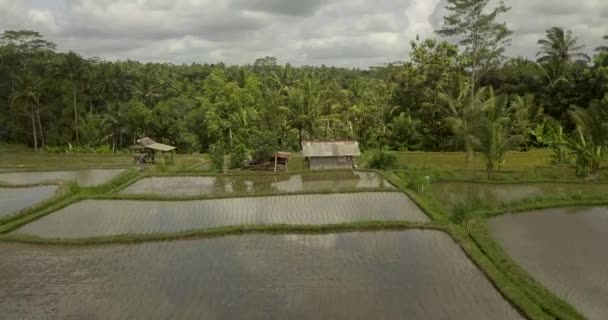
[481, 121]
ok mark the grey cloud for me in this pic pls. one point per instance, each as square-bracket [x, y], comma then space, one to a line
[286, 7]
[333, 32]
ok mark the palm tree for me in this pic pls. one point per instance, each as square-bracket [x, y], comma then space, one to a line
[603, 48]
[148, 89]
[490, 132]
[27, 95]
[526, 113]
[590, 137]
[553, 70]
[74, 67]
[561, 44]
[462, 108]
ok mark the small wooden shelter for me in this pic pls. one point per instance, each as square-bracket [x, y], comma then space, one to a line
[278, 162]
[148, 149]
[330, 154]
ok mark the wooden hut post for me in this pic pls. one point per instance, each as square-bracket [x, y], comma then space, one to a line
[275, 162]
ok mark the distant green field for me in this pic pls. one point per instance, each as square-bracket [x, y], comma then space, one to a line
[17, 157]
[456, 160]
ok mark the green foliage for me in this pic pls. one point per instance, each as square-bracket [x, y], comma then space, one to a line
[239, 156]
[418, 181]
[217, 154]
[483, 38]
[590, 139]
[264, 144]
[490, 133]
[381, 159]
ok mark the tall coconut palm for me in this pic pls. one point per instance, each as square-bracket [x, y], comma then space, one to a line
[491, 137]
[561, 44]
[527, 113]
[462, 108]
[148, 89]
[590, 138]
[602, 48]
[27, 95]
[74, 68]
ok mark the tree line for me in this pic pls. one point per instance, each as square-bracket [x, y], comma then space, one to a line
[458, 92]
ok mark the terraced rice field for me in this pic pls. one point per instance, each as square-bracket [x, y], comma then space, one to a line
[86, 178]
[16, 199]
[448, 193]
[97, 218]
[565, 250]
[376, 275]
[266, 183]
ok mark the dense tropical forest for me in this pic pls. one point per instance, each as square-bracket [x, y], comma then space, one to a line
[455, 92]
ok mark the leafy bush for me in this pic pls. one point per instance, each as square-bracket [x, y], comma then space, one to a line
[464, 211]
[238, 156]
[216, 153]
[382, 160]
[264, 144]
[418, 181]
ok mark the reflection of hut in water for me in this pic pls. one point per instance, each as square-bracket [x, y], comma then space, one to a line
[148, 149]
[346, 179]
[330, 154]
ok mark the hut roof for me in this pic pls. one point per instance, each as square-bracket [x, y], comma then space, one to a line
[160, 147]
[281, 154]
[330, 148]
[151, 144]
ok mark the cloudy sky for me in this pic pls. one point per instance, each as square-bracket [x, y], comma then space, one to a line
[356, 33]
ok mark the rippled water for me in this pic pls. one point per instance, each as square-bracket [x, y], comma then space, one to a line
[87, 178]
[15, 199]
[565, 249]
[92, 218]
[378, 275]
[449, 193]
[261, 183]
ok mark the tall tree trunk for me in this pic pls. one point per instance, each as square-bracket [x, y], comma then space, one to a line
[75, 114]
[40, 127]
[34, 130]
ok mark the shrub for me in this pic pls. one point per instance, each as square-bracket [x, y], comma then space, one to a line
[216, 153]
[382, 160]
[238, 156]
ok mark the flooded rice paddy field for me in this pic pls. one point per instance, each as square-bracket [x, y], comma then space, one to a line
[86, 178]
[267, 183]
[375, 275]
[565, 250]
[448, 193]
[95, 218]
[16, 199]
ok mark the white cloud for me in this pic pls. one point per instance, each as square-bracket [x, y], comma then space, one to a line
[334, 32]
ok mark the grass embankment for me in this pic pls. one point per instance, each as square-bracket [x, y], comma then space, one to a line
[515, 283]
[550, 303]
[72, 193]
[230, 230]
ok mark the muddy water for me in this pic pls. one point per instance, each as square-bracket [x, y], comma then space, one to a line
[93, 218]
[565, 250]
[87, 178]
[15, 199]
[313, 181]
[379, 275]
[449, 193]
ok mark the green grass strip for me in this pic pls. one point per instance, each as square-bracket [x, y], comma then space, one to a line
[162, 197]
[550, 303]
[510, 290]
[226, 231]
[428, 207]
